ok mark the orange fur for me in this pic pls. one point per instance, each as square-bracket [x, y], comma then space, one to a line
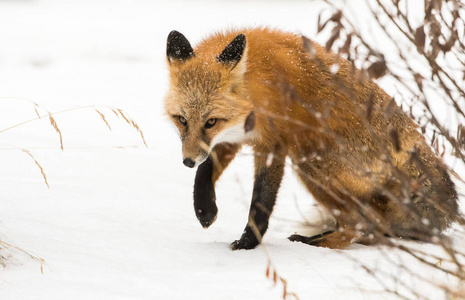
[347, 161]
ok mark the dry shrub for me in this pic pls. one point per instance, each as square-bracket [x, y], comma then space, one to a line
[425, 65]
[428, 70]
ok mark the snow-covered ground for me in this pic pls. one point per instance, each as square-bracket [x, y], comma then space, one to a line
[117, 221]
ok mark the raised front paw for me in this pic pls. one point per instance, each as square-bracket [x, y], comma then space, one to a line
[206, 215]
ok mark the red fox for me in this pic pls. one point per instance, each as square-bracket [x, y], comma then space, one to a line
[354, 149]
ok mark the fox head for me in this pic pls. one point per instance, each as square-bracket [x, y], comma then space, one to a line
[206, 100]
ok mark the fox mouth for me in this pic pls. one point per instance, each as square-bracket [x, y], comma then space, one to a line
[193, 164]
[201, 160]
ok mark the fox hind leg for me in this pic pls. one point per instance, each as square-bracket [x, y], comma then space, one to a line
[310, 240]
[328, 239]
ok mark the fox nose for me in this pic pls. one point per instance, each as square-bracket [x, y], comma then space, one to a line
[188, 162]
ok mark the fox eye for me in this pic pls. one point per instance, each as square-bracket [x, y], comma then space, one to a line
[210, 123]
[182, 120]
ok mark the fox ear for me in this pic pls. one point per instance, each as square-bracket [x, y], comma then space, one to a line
[233, 52]
[178, 47]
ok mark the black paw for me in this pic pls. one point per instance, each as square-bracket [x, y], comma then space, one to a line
[304, 239]
[297, 238]
[206, 216]
[245, 244]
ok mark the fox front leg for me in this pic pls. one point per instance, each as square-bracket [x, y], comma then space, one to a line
[269, 171]
[205, 179]
[204, 194]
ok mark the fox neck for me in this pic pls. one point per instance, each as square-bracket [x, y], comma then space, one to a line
[233, 135]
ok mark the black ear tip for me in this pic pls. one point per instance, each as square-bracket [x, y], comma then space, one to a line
[175, 37]
[233, 52]
[239, 41]
[241, 38]
[174, 34]
[178, 47]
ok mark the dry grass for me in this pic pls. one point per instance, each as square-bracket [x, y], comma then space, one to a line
[10, 248]
[119, 113]
[271, 271]
[38, 165]
[54, 124]
[51, 117]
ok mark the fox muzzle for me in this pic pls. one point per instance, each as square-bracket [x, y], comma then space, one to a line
[188, 162]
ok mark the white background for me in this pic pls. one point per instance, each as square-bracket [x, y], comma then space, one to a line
[117, 221]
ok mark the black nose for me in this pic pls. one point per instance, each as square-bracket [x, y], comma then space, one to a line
[188, 162]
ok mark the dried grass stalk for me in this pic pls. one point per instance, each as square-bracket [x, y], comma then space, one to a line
[44, 176]
[32, 256]
[103, 118]
[119, 113]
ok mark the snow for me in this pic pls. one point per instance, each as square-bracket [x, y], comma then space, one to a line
[117, 221]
